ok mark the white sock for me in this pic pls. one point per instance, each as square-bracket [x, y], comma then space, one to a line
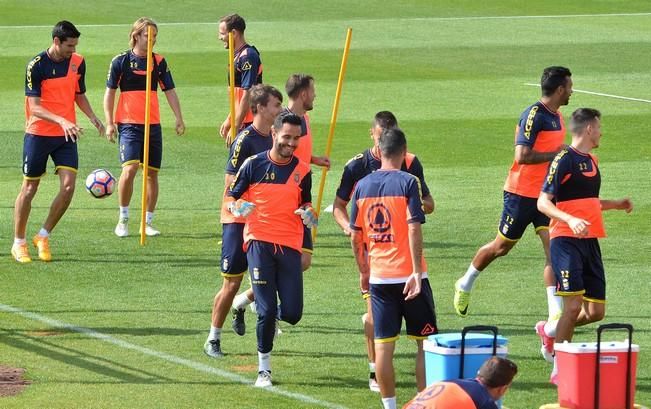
[371, 367]
[19, 242]
[554, 303]
[465, 283]
[241, 301]
[124, 212]
[149, 216]
[389, 403]
[264, 361]
[215, 333]
[43, 232]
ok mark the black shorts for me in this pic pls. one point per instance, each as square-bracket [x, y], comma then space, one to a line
[518, 213]
[578, 268]
[388, 306]
[37, 149]
[132, 140]
[233, 260]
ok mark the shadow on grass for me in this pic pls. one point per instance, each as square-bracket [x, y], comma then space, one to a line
[75, 357]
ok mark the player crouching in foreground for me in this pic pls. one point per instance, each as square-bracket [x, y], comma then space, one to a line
[570, 197]
[278, 190]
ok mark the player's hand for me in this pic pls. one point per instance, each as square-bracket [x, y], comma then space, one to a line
[321, 161]
[110, 132]
[579, 226]
[225, 128]
[71, 131]
[412, 286]
[180, 127]
[625, 204]
[98, 125]
[241, 208]
[308, 215]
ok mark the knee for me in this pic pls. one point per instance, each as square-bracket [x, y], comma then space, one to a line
[28, 190]
[129, 173]
[501, 249]
[231, 285]
[571, 309]
[595, 315]
[68, 189]
[292, 318]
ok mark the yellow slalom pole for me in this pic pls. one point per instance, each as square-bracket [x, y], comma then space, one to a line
[333, 123]
[231, 89]
[145, 159]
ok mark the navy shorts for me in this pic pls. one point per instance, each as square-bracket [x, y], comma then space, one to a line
[132, 140]
[578, 268]
[37, 149]
[233, 259]
[518, 213]
[388, 306]
[307, 240]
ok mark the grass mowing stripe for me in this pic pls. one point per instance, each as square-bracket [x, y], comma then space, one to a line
[164, 356]
[601, 94]
[460, 18]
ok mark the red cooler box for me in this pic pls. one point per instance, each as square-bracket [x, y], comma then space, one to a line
[576, 374]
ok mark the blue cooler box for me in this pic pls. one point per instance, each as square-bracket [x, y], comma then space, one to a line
[443, 355]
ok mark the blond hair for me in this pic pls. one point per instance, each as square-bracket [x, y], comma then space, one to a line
[138, 27]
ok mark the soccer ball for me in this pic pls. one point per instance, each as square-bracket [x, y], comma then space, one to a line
[100, 183]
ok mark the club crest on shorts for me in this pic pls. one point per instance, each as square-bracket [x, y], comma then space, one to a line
[225, 264]
[256, 273]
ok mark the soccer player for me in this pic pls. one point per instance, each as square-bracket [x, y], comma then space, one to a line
[54, 83]
[539, 136]
[492, 382]
[248, 71]
[301, 93]
[570, 197]
[356, 168]
[386, 216]
[128, 72]
[265, 103]
[272, 190]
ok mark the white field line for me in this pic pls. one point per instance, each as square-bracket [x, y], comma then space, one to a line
[461, 18]
[166, 357]
[601, 94]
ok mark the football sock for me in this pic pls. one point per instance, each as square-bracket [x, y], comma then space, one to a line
[465, 283]
[389, 403]
[264, 361]
[149, 216]
[215, 333]
[241, 301]
[124, 212]
[554, 303]
[43, 232]
[19, 242]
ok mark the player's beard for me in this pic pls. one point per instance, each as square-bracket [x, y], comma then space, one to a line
[285, 151]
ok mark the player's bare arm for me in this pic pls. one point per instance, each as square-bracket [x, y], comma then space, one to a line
[340, 214]
[109, 105]
[622, 204]
[84, 105]
[412, 286]
[524, 155]
[173, 101]
[428, 204]
[359, 250]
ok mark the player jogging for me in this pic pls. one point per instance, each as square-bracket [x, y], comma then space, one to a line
[386, 216]
[272, 190]
[128, 72]
[570, 197]
[539, 136]
[54, 83]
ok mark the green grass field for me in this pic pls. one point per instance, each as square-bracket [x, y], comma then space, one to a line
[110, 324]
